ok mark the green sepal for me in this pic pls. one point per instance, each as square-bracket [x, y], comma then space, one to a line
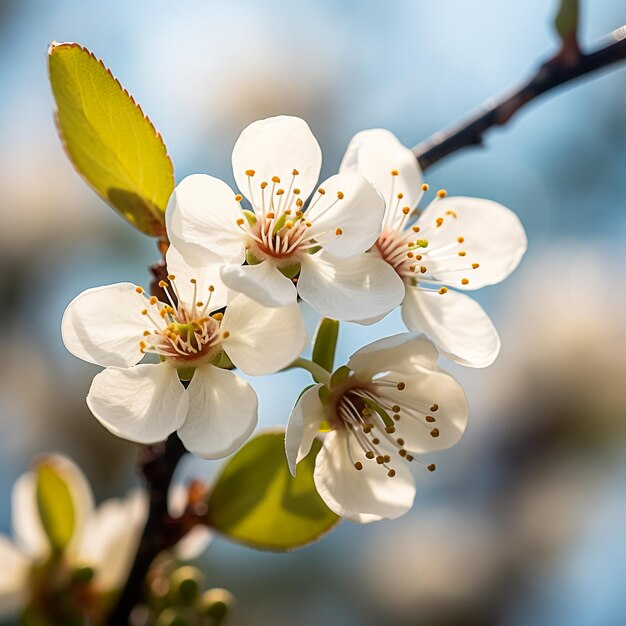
[55, 505]
[250, 217]
[339, 375]
[272, 510]
[378, 409]
[290, 271]
[566, 19]
[186, 373]
[251, 259]
[325, 343]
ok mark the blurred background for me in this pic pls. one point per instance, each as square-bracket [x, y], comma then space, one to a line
[523, 523]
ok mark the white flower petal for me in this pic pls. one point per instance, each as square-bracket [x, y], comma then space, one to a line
[277, 146]
[375, 154]
[26, 522]
[491, 235]
[111, 537]
[104, 325]
[303, 425]
[358, 214]
[222, 413]
[361, 496]
[193, 544]
[202, 216]
[423, 390]
[262, 340]
[458, 325]
[349, 289]
[205, 275]
[14, 575]
[145, 403]
[262, 282]
[402, 353]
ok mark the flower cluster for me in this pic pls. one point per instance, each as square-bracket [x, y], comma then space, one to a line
[354, 247]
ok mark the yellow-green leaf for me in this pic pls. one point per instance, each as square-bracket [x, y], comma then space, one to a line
[56, 507]
[325, 343]
[257, 502]
[110, 141]
[566, 19]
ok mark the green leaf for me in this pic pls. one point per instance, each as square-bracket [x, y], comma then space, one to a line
[56, 507]
[109, 140]
[325, 343]
[257, 502]
[566, 20]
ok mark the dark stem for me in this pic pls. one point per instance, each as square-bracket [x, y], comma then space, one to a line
[564, 67]
[157, 464]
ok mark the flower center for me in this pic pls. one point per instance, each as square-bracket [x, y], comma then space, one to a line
[279, 228]
[182, 331]
[364, 411]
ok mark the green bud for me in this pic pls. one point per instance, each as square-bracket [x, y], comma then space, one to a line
[216, 604]
[173, 617]
[290, 271]
[186, 583]
[83, 575]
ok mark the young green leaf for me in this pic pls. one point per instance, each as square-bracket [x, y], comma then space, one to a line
[325, 343]
[56, 507]
[109, 140]
[257, 502]
[566, 19]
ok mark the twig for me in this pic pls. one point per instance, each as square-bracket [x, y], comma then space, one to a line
[561, 69]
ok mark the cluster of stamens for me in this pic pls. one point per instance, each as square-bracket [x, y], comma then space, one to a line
[279, 228]
[181, 331]
[371, 420]
[416, 259]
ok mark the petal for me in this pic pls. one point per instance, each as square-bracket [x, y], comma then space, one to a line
[277, 146]
[26, 521]
[104, 325]
[303, 425]
[349, 289]
[111, 537]
[205, 275]
[145, 403]
[424, 390]
[262, 282]
[193, 544]
[358, 214]
[222, 413]
[362, 496]
[261, 340]
[375, 154]
[14, 578]
[202, 216]
[400, 353]
[490, 234]
[458, 325]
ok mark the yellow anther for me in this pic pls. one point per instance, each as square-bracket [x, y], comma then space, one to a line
[321, 191]
[162, 284]
[394, 172]
[263, 185]
[400, 386]
[442, 193]
[439, 221]
[460, 239]
[423, 269]
[390, 430]
[308, 224]
[163, 312]
[443, 290]
[409, 457]
[270, 216]
[434, 433]
[296, 192]
[226, 334]
[410, 254]
[400, 196]
[171, 277]
[289, 224]
[143, 345]
[218, 316]
[462, 253]
[380, 459]
[250, 172]
[432, 467]
[146, 333]
[338, 232]
[340, 195]
[238, 198]
[369, 454]
[402, 452]
[199, 303]
[412, 268]
[144, 312]
[295, 172]
[430, 419]
[275, 179]
[240, 221]
[415, 229]
[418, 257]
[434, 408]
[139, 289]
[424, 187]
[358, 466]
[475, 266]
[299, 213]
[391, 473]
[406, 210]
[299, 202]
[280, 192]
[452, 213]
[287, 212]
[464, 281]
[153, 300]
[211, 288]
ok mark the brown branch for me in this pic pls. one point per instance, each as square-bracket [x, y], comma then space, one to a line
[561, 69]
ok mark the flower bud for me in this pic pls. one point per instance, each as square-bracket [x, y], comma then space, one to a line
[185, 584]
[216, 604]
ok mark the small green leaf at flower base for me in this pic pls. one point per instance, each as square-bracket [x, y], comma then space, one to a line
[55, 505]
[272, 510]
[325, 343]
[108, 139]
